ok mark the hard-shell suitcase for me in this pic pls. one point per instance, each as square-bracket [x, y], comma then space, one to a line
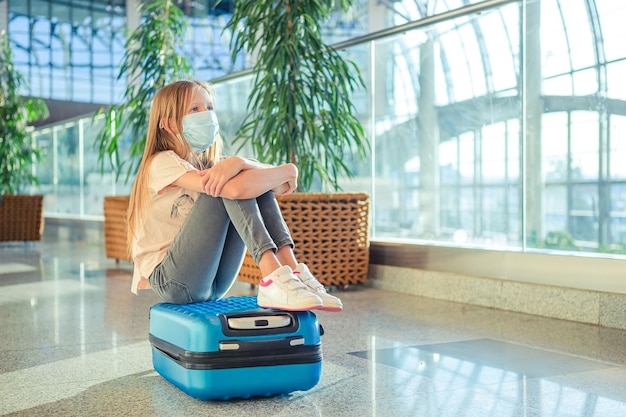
[232, 348]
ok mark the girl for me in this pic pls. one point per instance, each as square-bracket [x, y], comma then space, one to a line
[194, 255]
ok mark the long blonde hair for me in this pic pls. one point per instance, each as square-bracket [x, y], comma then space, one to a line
[169, 103]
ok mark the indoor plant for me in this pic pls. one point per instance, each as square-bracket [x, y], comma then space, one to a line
[299, 108]
[21, 216]
[300, 111]
[151, 60]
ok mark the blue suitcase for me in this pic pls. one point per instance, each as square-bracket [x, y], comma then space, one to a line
[232, 348]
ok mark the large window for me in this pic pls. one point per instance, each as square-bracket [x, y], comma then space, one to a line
[69, 53]
[486, 138]
[72, 50]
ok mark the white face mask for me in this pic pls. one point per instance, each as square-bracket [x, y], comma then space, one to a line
[200, 129]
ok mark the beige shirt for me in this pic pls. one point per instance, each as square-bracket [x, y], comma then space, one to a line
[169, 206]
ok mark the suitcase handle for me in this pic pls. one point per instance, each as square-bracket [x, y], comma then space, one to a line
[256, 322]
[259, 323]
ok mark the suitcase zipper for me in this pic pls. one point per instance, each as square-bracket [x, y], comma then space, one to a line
[240, 358]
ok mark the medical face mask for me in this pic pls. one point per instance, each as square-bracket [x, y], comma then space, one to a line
[200, 129]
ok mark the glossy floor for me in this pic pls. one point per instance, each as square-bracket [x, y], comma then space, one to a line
[75, 343]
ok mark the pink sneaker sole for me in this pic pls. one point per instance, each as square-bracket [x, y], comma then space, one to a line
[330, 309]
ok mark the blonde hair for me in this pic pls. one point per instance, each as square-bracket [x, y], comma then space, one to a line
[169, 103]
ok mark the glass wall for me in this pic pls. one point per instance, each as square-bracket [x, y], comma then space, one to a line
[69, 175]
[72, 50]
[491, 139]
[69, 53]
[450, 132]
[502, 129]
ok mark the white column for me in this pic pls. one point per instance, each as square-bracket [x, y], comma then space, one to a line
[133, 15]
[532, 108]
[428, 144]
[133, 20]
[4, 15]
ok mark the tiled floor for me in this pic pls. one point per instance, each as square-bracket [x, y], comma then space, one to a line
[75, 343]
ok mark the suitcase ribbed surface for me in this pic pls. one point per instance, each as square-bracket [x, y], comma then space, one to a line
[213, 308]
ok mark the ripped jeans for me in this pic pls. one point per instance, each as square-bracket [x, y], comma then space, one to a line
[204, 259]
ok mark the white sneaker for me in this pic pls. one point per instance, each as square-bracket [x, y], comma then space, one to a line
[331, 303]
[282, 290]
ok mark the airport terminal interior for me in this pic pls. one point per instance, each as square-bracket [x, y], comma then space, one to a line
[496, 230]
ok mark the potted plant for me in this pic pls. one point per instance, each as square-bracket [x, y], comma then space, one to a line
[300, 111]
[151, 60]
[21, 216]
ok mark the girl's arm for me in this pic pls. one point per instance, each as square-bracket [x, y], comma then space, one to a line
[239, 178]
[252, 183]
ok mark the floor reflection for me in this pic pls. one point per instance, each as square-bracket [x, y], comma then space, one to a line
[480, 360]
[489, 374]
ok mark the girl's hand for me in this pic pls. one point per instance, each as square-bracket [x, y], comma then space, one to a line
[214, 178]
[286, 188]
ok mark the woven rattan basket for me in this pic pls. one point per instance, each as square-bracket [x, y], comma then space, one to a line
[115, 208]
[331, 233]
[21, 217]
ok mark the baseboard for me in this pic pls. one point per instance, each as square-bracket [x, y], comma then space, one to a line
[580, 305]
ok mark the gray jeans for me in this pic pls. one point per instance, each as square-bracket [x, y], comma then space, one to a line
[204, 259]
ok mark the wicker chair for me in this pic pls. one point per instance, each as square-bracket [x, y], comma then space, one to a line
[331, 233]
[21, 217]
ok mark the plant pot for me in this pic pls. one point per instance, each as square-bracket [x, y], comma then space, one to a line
[21, 217]
[115, 209]
[331, 235]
